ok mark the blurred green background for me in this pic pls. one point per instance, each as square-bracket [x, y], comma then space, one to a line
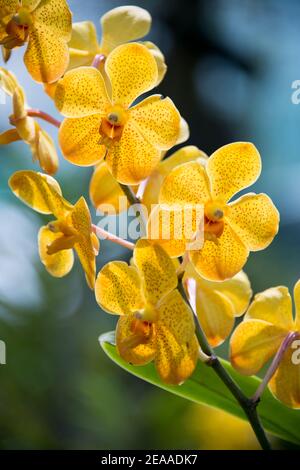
[231, 67]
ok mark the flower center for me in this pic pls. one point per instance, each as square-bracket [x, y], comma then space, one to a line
[112, 124]
[214, 212]
[149, 314]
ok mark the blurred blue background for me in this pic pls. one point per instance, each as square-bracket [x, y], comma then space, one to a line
[231, 69]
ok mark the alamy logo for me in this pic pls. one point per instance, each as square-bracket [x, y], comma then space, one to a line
[296, 353]
[2, 353]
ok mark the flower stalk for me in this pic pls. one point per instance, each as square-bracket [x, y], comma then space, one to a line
[248, 405]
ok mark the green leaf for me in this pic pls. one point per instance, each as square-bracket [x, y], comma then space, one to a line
[206, 388]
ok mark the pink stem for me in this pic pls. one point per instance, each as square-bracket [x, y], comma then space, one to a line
[46, 117]
[141, 190]
[113, 238]
[275, 364]
[99, 60]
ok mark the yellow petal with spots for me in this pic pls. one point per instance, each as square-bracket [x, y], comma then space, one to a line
[133, 158]
[58, 264]
[132, 71]
[8, 7]
[186, 184]
[81, 222]
[160, 61]
[174, 228]
[83, 45]
[123, 24]
[155, 180]
[56, 15]
[118, 289]
[30, 4]
[40, 192]
[297, 305]
[105, 191]
[185, 154]
[253, 343]
[79, 140]
[274, 305]
[175, 362]
[222, 258]
[255, 220]
[158, 120]
[156, 269]
[232, 168]
[135, 340]
[47, 54]
[81, 92]
[285, 383]
[177, 317]
[218, 303]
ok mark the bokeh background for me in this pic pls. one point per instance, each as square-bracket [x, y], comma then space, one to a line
[231, 68]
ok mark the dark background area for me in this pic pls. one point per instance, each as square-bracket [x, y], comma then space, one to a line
[231, 65]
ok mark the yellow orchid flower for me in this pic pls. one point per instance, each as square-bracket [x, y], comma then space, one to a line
[267, 323]
[217, 304]
[103, 123]
[119, 26]
[155, 322]
[70, 229]
[25, 127]
[46, 25]
[105, 190]
[231, 229]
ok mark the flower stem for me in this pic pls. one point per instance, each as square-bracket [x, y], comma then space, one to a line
[46, 117]
[246, 403]
[274, 365]
[113, 238]
[135, 201]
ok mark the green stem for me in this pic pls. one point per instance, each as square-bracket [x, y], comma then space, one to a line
[134, 201]
[249, 407]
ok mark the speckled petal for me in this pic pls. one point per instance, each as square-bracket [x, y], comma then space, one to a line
[253, 343]
[255, 220]
[133, 158]
[132, 71]
[47, 54]
[160, 61]
[232, 168]
[158, 120]
[8, 7]
[123, 24]
[177, 317]
[174, 228]
[218, 303]
[156, 269]
[30, 4]
[186, 184]
[220, 259]
[40, 192]
[274, 305]
[105, 191]
[285, 383]
[81, 92]
[132, 345]
[118, 289]
[81, 221]
[58, 264]
[79, 140]
[174, 362]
